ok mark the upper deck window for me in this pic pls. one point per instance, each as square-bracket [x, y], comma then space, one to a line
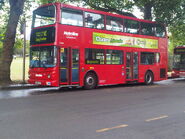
[114, 24]
[44, 16]
[147, 29]
[72, 17]
[159, 30]
[131, 26]
[93, 20]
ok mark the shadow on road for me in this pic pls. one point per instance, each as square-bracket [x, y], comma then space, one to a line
[80, 89]
[56, 90]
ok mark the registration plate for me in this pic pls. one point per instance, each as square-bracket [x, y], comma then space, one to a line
[39, 83]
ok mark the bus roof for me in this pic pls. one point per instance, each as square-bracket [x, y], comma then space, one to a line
[98, 11]
[180, 46]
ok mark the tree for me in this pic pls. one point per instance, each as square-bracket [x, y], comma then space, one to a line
[7, 42]
[177, 35]
[1, 39]
[51, 1]
[16, 9]
[117, 6]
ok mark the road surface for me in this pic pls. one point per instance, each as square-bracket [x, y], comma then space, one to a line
[113, 112]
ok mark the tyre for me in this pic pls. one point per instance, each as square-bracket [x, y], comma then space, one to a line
[149, 78]
[90, 81]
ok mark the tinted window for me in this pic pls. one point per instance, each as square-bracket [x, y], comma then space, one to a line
[93, 20]
[131, 26]
[159, 30]
[114, 57]
[44, 57]
[147, 29]
[147, 58]
[72, 17]
[44, 16]
[179, 62]
[114, 24]
[94, 56]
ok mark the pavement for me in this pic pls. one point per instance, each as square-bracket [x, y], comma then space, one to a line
[17, 86]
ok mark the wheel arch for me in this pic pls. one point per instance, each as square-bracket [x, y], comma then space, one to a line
[149, 70]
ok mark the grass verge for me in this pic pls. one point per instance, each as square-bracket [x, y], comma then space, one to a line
[17, 69]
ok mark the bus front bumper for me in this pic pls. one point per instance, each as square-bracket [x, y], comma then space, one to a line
[44, 82]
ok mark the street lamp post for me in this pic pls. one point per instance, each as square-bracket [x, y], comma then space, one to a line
[24, 52]
[23, 31]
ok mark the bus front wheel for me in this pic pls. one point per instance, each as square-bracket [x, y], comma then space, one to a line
[149, 78]
[90, 81]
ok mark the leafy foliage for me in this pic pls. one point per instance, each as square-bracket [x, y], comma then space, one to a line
[169, 11]
[177, 34]
[51, 1]
[123, 7]
[1, 3]
[2, 30]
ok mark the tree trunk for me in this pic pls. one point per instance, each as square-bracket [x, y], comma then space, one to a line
[16, 9]
[148, 11]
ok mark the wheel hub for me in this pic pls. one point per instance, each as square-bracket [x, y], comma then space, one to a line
[90, 80]
[149, 78]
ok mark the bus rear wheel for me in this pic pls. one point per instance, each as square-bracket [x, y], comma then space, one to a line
[90, 81]
[149, 78]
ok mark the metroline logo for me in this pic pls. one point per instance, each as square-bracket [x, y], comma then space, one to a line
[71, 33]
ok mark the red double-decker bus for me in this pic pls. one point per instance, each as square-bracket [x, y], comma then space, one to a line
[179, 62]
[73, 46]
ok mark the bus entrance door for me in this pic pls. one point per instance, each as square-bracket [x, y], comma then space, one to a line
[131, 66]
[69, 66]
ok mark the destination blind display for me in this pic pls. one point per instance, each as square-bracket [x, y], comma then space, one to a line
[179, 51]
[42, 35]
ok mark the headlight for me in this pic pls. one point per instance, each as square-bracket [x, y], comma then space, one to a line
[49, 76]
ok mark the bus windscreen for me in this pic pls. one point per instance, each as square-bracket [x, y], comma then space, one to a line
[43, 57]
[44, 16]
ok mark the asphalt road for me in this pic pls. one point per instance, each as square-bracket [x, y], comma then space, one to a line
[114, 112]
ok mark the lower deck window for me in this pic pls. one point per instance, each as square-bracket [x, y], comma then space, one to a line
[114, 57]
[94, 56]
[147, 58]
[98, 56]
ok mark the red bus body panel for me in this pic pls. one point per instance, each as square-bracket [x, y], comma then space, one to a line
[81, 38]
